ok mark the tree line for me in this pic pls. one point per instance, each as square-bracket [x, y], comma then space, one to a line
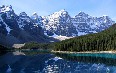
[35, 45]
[103, 41]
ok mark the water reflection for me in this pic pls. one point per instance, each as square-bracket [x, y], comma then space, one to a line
[56, 63]
[108, 59]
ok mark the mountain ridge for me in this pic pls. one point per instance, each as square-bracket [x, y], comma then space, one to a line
[81, 24]
[16, 29]
[23, 28]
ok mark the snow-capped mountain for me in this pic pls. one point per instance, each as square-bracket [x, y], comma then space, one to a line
[56, 24]
[85, 23]
[62, 24]
[23, 28]
[19, 28]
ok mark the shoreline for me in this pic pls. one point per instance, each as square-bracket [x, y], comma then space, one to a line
[110, 52]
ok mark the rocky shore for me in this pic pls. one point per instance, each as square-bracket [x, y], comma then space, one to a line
[84, 52]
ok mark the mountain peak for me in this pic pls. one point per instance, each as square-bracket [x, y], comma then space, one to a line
[62, 10]
[57, 14]
[106, 16]
[81, 14]
[34, 15]
[23, 14]
[4, 8]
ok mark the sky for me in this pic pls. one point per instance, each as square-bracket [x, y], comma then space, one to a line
[46, 7]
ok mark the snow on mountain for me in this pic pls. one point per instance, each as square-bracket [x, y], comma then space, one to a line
[61, 23]
[7, 27]
[23, 18]
[19, 28]
[86, 24]
[37, 19]
[54, 25]
[5, 9]
[1, 20]
[58, 23]
[62, 37]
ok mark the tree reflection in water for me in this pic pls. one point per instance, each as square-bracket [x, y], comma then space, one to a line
[89, 59]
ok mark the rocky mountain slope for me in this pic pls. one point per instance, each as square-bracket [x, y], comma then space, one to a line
[62, 24]
[19, 28]
[23, 28]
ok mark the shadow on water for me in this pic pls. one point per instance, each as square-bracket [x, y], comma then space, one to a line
[108, 59]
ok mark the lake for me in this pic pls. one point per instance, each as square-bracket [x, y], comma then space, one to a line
[57, 63]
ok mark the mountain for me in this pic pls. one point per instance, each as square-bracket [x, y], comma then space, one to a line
[19, 28]
[59, 25]
[102, 41]
[86, 24]
[62, 24]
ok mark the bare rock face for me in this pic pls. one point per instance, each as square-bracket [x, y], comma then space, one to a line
[17, 29]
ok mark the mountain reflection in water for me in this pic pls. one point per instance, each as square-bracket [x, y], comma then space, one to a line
[56, 63]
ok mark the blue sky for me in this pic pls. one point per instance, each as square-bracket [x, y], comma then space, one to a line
[46, 7]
